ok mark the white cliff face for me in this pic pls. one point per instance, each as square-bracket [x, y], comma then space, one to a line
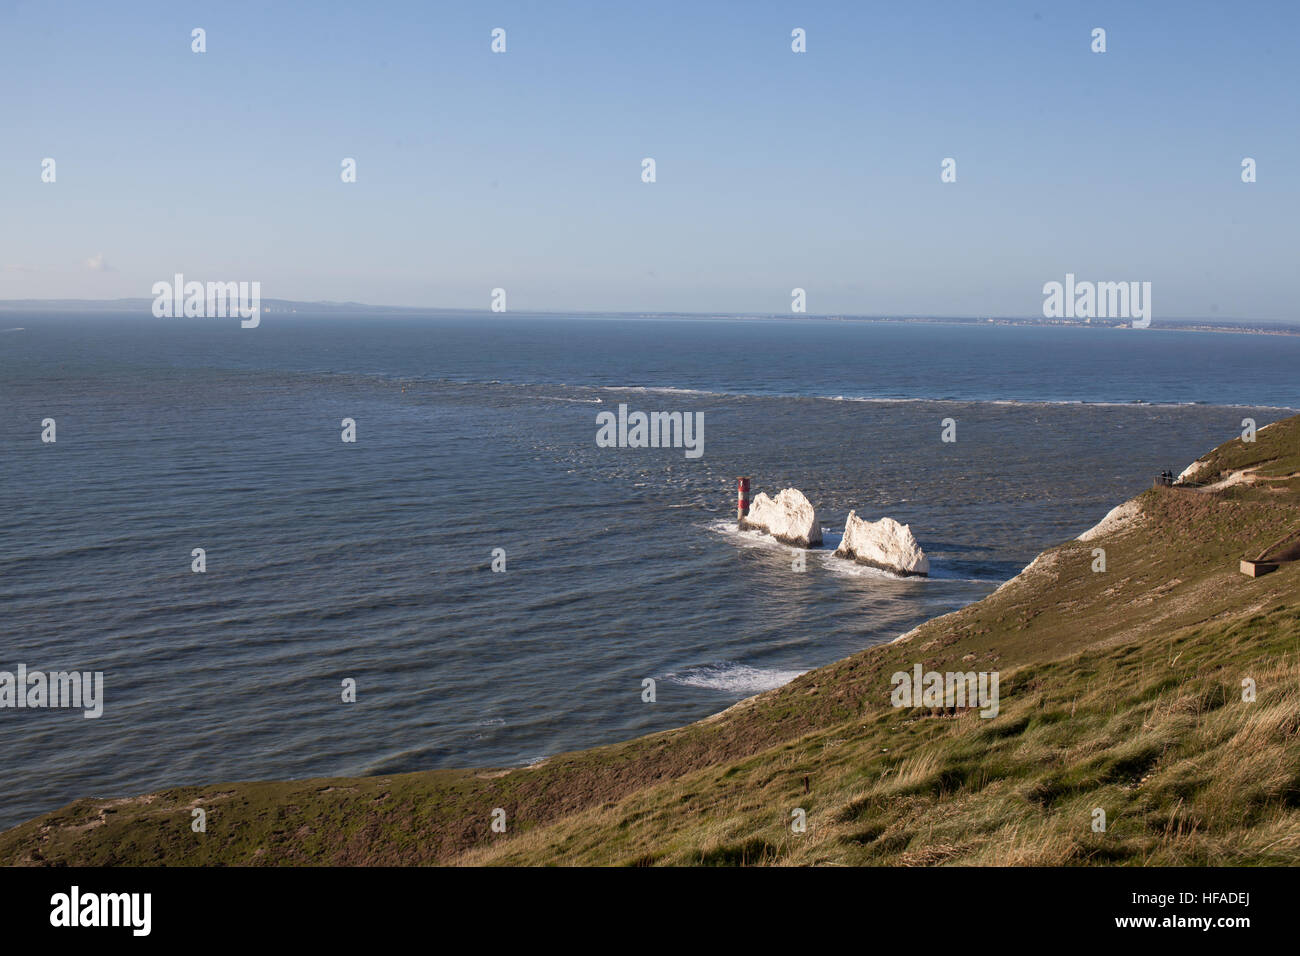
[788, 517]
[883, 544]
[1118, 517]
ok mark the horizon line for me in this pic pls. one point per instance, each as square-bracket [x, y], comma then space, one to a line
[129, 302]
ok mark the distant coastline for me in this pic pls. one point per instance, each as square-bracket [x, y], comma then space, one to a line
[289, 306]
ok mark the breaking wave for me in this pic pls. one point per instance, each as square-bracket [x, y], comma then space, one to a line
[734, 678]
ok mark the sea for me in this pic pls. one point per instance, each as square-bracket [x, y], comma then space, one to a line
[495, 585]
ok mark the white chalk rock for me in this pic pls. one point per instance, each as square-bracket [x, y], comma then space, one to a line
[789, 517]
[883, 544]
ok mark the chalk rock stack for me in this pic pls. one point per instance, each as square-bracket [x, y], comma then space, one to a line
[789, 517]
[883, 544]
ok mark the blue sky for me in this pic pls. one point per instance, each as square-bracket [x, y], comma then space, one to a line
[775, 170]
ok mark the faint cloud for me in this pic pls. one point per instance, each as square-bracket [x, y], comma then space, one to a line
[96, 263]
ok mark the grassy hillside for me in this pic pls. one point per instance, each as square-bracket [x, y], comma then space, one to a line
[1120, 690]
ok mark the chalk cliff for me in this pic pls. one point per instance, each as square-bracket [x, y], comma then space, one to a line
[789, 517]
[883, 544]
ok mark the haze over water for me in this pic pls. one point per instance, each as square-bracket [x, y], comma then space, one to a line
[372, 560]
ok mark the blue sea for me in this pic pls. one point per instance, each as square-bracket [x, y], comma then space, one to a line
[372, 560]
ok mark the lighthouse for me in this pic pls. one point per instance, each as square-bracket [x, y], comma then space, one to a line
[742, 498]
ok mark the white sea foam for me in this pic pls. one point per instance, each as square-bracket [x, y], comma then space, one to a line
[663, 389]
[880, 399]
[825, 555]
[1032, 402]
[748, 539]
[851, 569]
[557, 398]
[734, 678]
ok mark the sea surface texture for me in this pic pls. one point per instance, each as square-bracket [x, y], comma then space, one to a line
[372, 560]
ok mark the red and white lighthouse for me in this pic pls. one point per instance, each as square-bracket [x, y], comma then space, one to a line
[742, 498]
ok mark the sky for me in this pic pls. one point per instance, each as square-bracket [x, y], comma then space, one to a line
[774, 170]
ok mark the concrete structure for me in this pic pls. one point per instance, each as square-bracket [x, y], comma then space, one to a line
[1255, 569]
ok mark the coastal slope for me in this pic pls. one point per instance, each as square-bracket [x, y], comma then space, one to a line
[1160, 686]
